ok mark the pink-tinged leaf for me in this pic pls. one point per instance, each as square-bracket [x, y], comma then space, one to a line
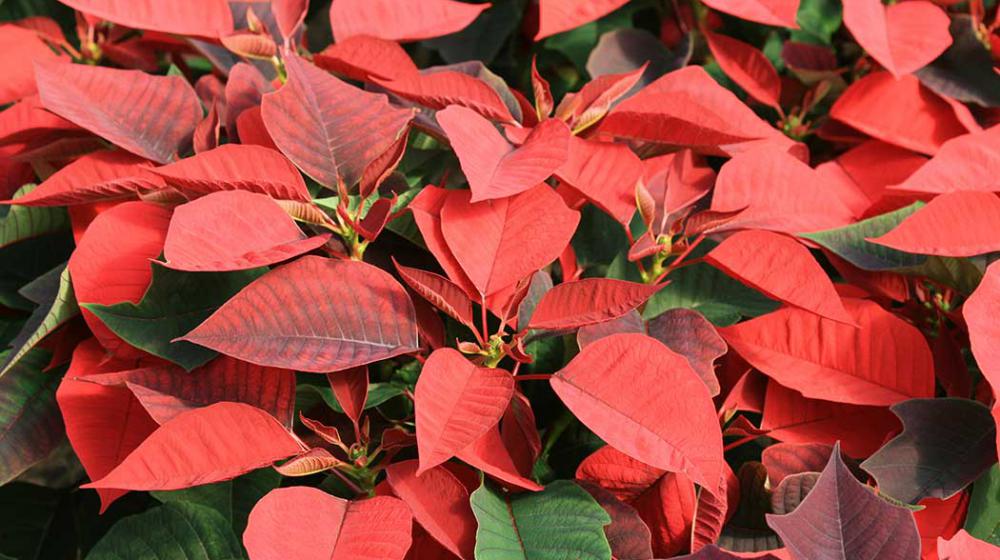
[899, 111]
[489, 455]
[964, 546]
[440, 504]
[785, 459]
[244, 90]
[714, 552]
[782, 268]
[206, 18]
[27, 123]
[308, 524]
[103, 424]
[780, 13]
[595, 98]
[456, 403]
[958, 224]
[980, 312]
[350, 388]
[880, 362]
[493, 166]
[363, 57]
[687, 108]
[902, 37]
[444, 88]
[967, 163]
[111, 262]
[289, 15]
[316, 460]
[426, 210]
[150, 116]
[233, 230]
[541, 91]
[779, 193]
[748, 67]
[394, 21]
[168, 391]
[690, 334]
[605, 173]
[201, 446]
[499, 242]
[842, 518]
[19, 49]
[792, 418]
[874, 165]
[630, 322]
[329, 128]
[95, 177]
[627, 534]
[305, 316]
[237, 167]
[664, 500]
[591, 300]
[519, 432]
[440, 292]
[557, 16]
[679, 433]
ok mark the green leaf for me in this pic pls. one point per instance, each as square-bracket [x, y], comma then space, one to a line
[711, 292]
[233, 499]
[27, 513]
[25, 261]
[983, 518]
[18, 223]
[961, 274]
[30, 423]
[484, 38]
[563, 522]
[175, 531]
[819, 20]
[175, 303]
[850, 242]
[53, 292]
[378, 393]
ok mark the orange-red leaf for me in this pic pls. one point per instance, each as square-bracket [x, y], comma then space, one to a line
[556, 16]
[966, 163]
[201, 446]
[980, 312]
[748, 67]
[314, 314]
[95, 177]
[150, 116]
[443, 88]
[588, 301]
[439, 291]
[605, 173]
[883, 361]
[456, 403]
[308, 524]
[401, 21]
[958, 224]
[362, 57]
[19, 49]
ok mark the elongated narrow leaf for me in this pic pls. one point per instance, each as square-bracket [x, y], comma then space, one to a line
[675, 435]
[748, 67]
[200, 446]
[852, 242]
[440, 503]
[591, 300]
[21, 223]
[902, 37]
[605, 173]
[970, 162]
[958, 224]
[562, 521]
[330, 129]
[843, 519]
[495, 168]
[442, 88]
[233, 230]
[166, 392]
[237, 167]
[351, 389]
[498, 242]
[882, 361]
[150, 116]
[55, 310]
[781, 13]
[401, 22]
[208, 18]
[174, 304]
[557, 16]
[945, 445]
[781, 268]
[456, 404]
[99, 176]
[309, 524]
[30, 423]
[180, 530]
[298, 317]
[440, 292]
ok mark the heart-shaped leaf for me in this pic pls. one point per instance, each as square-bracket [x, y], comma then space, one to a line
[903, 37]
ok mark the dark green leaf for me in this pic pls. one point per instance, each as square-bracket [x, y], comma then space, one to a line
[53, 292]
[563, 522]
[30, 423]
[710, 291]
[233, 499]
[819, 20]
[26, 516]
[983, 518]
[23, 262]
[18, 223]
[484, 38]
[175, 531]
[175, 303]
[378, 393]
[851, 242]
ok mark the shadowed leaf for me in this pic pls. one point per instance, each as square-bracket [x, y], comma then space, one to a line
[177, 530]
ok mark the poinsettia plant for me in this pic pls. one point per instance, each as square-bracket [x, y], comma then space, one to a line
[507, 280]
